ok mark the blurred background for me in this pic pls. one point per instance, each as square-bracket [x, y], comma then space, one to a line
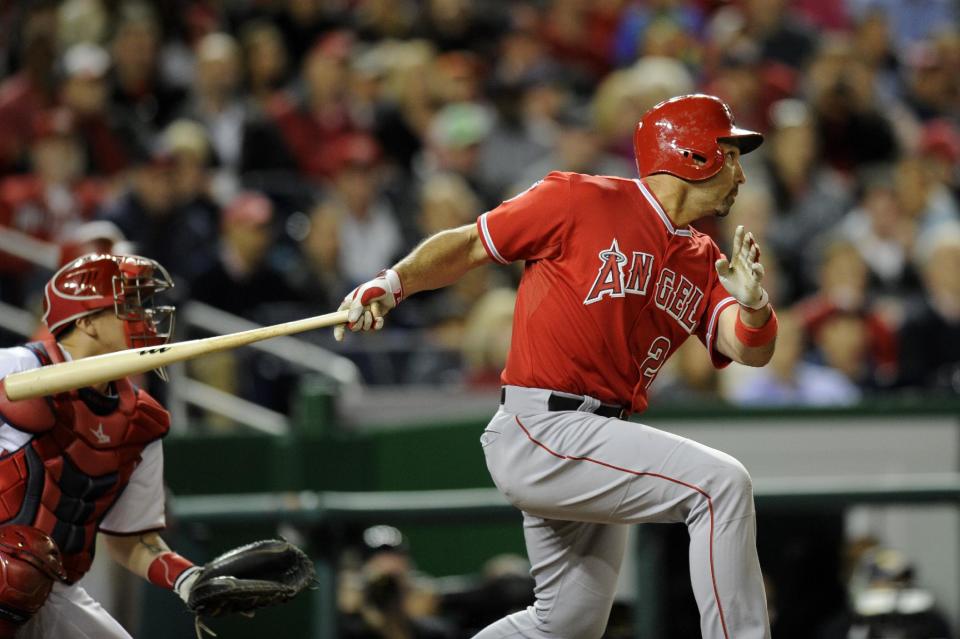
[273, 154]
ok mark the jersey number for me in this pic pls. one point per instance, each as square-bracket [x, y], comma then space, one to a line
[656, 356]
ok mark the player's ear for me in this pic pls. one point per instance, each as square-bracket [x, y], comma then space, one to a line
[87, 325]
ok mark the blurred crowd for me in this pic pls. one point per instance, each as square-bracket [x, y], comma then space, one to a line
[275, 153]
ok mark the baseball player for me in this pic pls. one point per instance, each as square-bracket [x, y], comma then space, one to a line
[614, 281]
[86, 462]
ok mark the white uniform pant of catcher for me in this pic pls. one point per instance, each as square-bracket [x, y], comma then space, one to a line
[580, 478]
[70, 613]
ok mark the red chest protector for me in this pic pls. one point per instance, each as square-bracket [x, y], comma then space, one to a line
[84, 450]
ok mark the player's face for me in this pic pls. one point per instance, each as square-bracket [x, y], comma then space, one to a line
[720, 191]
[110, 331]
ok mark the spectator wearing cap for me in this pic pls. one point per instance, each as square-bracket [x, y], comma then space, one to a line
[939, 149]
[853, 129]
[356, 224]
[55, 198]
[156, 221]
[241, 138]
[241, 280]
[143, 99]
[84, 91]
[791, 380]
[930, 336]
[809, 198]
[314, 121]
[839, 320]
[31, 88]
[455, 138]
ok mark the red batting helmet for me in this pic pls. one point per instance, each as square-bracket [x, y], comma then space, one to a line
[29, 564]
[680, 136]
[125, 283]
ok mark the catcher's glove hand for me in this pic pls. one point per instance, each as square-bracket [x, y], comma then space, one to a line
[264, 573]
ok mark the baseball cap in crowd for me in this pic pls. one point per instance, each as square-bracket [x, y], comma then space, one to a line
[940, 139]
[248, 208]
[460, 125]
[187, 136]
[86, 59]
[354, 149]
[52, 123]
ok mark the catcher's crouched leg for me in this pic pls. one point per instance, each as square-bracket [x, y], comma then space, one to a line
[29, 564]
[264, 573]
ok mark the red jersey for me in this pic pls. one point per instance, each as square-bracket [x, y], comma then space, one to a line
[610, 288]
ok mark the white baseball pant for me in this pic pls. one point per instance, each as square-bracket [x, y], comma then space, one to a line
[70, 613]
[579, 478]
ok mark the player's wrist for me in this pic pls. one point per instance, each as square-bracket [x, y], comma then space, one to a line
[756, 336]
[167, 569]
[758, 304]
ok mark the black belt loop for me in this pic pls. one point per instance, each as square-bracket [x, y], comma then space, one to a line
[558, 402]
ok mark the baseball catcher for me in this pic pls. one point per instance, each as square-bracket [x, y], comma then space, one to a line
[89, 462]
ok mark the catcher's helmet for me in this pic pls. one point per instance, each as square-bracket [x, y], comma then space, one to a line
[125, 283]
[680, 136]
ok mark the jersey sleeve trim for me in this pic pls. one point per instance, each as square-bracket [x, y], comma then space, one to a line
[712, 324]
[487, 240]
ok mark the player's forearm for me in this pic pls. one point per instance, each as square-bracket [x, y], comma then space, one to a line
[759, 323]
[441, 260]
[136, 552]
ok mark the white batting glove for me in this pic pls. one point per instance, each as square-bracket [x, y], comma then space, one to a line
[741, 274]
[368, 303]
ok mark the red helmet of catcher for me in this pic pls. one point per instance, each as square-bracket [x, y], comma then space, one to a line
[30, 562]
[681, 136]
[125, 283]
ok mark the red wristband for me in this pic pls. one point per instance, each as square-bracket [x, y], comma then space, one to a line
[753, 337]
[165, 569]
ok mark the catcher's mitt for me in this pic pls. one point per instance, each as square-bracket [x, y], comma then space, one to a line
[264, 573]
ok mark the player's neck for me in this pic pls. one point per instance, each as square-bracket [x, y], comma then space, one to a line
[81, 345]
[672, 193]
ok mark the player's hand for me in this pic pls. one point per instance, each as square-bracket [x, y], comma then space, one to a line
[742, 273]
[368, 303]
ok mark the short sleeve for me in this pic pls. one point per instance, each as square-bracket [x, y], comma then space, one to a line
[140, 507]
[717, 299]
[529, 226]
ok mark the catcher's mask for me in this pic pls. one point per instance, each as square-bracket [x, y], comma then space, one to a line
[127, 283]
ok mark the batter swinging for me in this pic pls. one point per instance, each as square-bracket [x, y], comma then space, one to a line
[614, 281]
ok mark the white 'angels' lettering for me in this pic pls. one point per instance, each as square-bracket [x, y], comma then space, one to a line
[676, 295]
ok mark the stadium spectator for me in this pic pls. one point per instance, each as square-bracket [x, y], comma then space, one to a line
[31, 88]
[314, 120]
[843, 302]
[241, 280]
[385, 598]
[84, 92]
[145, 101]
[930, 336]
[809, 198]
[359, 221]
[454, 141]
[883, 234]
[789, 380]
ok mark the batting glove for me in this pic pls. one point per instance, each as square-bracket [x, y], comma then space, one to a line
[368, 303]
[741, 274]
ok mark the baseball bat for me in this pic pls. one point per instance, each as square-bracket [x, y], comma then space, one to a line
[49, 380]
